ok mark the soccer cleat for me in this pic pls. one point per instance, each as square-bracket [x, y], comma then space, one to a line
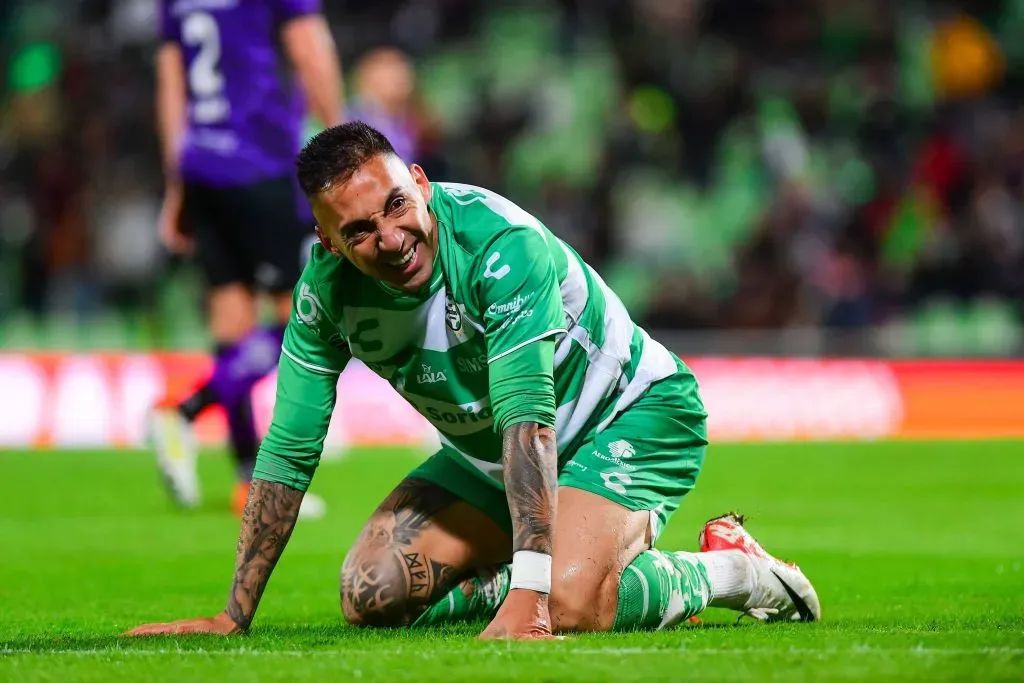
[781, 592]
[170, 436]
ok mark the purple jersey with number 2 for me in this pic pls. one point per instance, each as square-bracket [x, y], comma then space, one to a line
[244, 110]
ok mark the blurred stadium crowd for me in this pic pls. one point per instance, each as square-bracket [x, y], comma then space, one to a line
[726, 164]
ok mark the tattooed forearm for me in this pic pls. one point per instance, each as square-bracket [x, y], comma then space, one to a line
[531, 479]
[387, 578]
[267, 522]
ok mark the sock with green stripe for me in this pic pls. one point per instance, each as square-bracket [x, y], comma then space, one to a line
[475, 599]
[660, 589]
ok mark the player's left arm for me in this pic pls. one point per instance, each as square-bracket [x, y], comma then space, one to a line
[522, 310]
[310, 47]
[171, 105]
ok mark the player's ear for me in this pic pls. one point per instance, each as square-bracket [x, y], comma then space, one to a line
[419, 176]
[326, 241]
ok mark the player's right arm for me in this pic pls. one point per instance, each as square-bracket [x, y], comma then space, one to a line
[306, 393]
[290, 452]
[307, 41]
[171, 110]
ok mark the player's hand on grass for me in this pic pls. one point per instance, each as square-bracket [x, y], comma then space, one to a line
[523, 616]
[220, 625]
[170, 229]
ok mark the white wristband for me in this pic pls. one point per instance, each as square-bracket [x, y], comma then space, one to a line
[531, 570]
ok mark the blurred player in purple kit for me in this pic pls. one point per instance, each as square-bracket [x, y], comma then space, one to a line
[230, 122]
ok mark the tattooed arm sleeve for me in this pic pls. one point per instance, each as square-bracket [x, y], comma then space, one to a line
[523, 396]
[531, 480]
[519, 298]
[267, 522]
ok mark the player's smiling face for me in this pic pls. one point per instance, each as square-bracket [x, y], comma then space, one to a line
[378, 219]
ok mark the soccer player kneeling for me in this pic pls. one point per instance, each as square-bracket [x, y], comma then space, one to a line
[569, 435]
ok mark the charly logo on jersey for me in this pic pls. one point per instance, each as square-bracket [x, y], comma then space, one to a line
[501, 272]
[429, 376]
[455, 419]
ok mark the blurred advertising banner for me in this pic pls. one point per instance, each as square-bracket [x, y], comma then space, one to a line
[99, 400]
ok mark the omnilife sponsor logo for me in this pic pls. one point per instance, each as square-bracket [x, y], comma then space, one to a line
[451, 418]
[509, 307]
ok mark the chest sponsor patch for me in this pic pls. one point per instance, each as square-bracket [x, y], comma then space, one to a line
[454, 419]
[430, 376]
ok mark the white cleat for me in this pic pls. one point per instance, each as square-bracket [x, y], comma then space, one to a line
[781, 592]
[312, 507]
[174, 445]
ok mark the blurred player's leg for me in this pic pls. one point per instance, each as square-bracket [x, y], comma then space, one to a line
[245, 353]
[173, 444]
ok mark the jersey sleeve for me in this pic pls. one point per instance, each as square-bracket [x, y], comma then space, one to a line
[285, 10]
[518, 292]
[522, 386]
[312, 357]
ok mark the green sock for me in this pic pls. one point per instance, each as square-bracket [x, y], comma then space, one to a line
[475, 599]
[660, 589]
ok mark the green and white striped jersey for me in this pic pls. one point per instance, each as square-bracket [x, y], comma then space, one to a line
[501, 281]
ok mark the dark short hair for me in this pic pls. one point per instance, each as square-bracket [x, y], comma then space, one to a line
[334, 154]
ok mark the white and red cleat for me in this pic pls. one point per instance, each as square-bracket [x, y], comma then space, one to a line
[780, 591]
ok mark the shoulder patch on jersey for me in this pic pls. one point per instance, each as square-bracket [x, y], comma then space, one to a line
[308, 309]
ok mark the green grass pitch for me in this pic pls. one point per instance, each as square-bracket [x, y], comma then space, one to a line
[916, 550]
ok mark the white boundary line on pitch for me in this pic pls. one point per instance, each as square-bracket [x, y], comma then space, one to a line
[588, 651]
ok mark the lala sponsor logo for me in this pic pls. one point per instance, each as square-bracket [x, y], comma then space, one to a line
[428, 376]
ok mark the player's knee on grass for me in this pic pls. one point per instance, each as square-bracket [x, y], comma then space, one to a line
[382, 587]
[583, 600]
[595, 539]
[411, 551]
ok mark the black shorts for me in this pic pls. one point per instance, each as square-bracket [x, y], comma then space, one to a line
[251, 235]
